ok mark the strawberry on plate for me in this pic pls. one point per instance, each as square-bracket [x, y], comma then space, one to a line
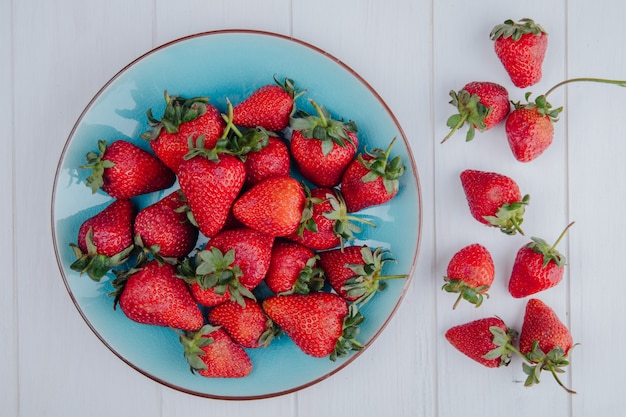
[163, 228]
[124, 170]
[105, 240]
[211, 353]
[322, 147]
[521, 47]
[246, 324]
[273, 160]
[371, 179]
[537, 267]
[480, 104]
[269, 107]
[495, 200]
[470, 273]
[355, 272]
[487, 341]
[293, 269]
[545, 341]
[183, 118]
[154, 295]
[320, 323]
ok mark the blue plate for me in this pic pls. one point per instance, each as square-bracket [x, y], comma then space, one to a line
[229, 64]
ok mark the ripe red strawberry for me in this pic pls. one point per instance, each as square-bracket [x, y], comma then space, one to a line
[211, 187]
[269, 106]
[537, 267]
[355, 272]
[272, 160]
[371, 179]
[231, 265]
[273, 206]
[322, 147]
[293, 269]
[154, 295]
[530, 129]
[320, 323]
[183, 119]
[487, 341]
[480, 104]
[521, 47]
[545, 341]
[494, 200]
[470, 273]
[247, 325]
[124, 170]
[211, 353]
[164, 229]
[326, 222]
[105, 240]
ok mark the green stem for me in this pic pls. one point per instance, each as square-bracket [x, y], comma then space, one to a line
[621, 83]
[517, 226]
[320, 113]
[456, 127]
[562, 234]
[558, 381]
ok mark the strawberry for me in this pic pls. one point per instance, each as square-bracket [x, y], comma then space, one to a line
[273, 206]
[355, 272]
[164, 229]
[154, 295]
[487, 341]
[211, 183]
[470, 274]
[494, 200]
[293, 269]
[480, 104]
[545, 341]
[124, 170]
[537, 267]
[521, 47]
[322, 147]
[183, 119]
[247, 325]
[269, 107]
[371, 179]
[213, 354]
[530, 129]
[272, 160]
[326, 222]
[230, 266]
[105, 240]
[320, 323]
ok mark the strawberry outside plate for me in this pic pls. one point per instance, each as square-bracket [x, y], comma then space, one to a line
[190, 67]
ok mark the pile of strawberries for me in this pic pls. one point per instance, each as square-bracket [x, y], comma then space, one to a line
[278, 253]
[495, 200]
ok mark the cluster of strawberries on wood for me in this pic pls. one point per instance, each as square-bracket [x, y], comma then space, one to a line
[495, 200]
[260, 226]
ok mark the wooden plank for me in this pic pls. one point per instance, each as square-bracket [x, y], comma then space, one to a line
[63, 53]
[593, 114]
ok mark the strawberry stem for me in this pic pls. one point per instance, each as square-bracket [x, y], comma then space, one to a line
[561, 235]
[621, 83]
[558, 380]
[457, 126]
[320, 113]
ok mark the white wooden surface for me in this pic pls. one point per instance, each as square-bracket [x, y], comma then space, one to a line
[55, 55]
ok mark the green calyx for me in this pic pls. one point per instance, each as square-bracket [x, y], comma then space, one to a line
[379, 166]
[367, 278]
[178, 110]
[211, 269]
[95, 264]
[543, 106]
[289, 87]
[473, 295]
[510, 217]
[310, 278]
[549, 252]
[470, 111]
[192, 343]
[503, 340]
[348, 340]
[95, 181]
[323, 127]
[553, 361]
[515, 30]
